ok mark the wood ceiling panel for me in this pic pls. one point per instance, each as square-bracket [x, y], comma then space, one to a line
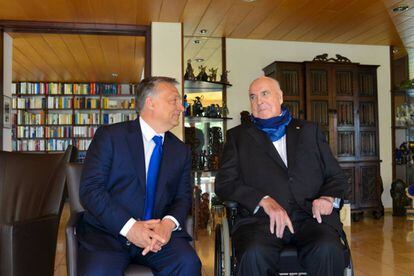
[215, 13]
[193, 11]
[94, 51]
[353, 21]
[347, 29]
[171, 10]
[83, 11]
[139, 57]
[279, 14]
[340, 17]
[288, 25]
[77, 58]
[237, 13]
[56, 42]
[148, 11]
[322, 18]
[126, 12]
[23, 44]
[260, 11]
[110, 50]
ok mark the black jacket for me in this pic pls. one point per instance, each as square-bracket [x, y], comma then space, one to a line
[252, 168]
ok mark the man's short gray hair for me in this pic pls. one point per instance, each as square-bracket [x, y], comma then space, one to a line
[147, 87]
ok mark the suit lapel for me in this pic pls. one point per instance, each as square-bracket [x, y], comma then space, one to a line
[166, 161]
[266, 144]
[136, 147]
[292, 136]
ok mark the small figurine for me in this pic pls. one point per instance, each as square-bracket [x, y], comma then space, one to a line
[189, 72]
[204, 210]
[198, 107]
[399, 197]
[202, 76]
[213, 75]
[224, 77]
[322, 57]
[340, 58]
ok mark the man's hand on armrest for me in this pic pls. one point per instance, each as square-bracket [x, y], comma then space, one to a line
[322, 206]
[277, 215]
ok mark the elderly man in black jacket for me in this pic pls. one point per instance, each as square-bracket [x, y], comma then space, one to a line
[283, 172]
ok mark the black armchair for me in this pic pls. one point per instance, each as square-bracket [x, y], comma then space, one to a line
[74, 172]
[31, 200]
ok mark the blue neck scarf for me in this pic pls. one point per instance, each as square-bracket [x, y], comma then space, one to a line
[274, 127]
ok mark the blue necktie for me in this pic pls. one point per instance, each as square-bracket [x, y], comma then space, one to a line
[152, 175]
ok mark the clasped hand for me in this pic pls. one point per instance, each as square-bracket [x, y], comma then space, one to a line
[151, 235]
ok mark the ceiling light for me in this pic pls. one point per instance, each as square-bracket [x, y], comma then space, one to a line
[199, 59]
[401, 8]
[197, 41]
[203, 31]
[395, 51]
[114, 75]
[248, 1]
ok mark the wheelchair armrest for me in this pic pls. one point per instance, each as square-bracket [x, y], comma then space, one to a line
[231, 204]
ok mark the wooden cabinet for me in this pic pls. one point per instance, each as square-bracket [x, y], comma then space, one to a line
[342, 99]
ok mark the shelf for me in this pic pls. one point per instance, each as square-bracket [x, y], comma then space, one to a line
[29, 95]
[203, 86]
[409, 91]
[203, 171]
[117, 109]
[403, 127]
[119, 96]
[87, 95]
[205, 119]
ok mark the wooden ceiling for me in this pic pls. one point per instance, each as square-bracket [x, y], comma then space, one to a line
[337, 21]
[77, 58]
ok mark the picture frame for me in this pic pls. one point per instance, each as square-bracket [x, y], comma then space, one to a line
[7, 107]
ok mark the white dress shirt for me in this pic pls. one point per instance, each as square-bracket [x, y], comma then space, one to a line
[147, 134]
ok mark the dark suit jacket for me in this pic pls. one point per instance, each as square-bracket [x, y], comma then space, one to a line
[252, 168]
[113, 184]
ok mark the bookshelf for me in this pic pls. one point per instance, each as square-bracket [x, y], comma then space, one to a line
[50, 116]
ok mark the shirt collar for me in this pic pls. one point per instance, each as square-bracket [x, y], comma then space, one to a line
[148, 132]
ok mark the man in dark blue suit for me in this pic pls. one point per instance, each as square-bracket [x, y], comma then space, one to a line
[136, 190]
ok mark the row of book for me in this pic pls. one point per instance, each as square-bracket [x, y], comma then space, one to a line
[112, 118]
[94, 118]
[33, 132]
[84, 131]
[118, 104]
[59, 118]
[82, 144]
[68, 103]
[87, 118]
[30, 132]
[57, 88]
[41, 145]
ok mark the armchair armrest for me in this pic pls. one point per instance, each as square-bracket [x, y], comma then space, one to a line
[72, 243]
[20, 243]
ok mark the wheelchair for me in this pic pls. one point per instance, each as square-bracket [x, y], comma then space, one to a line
[225, 263]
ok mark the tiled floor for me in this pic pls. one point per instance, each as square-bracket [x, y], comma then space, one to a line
[379, 247]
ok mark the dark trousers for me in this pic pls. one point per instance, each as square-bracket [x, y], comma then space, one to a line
[320, 250]
[175, 258]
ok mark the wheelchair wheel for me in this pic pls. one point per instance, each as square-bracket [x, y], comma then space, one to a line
[222, 263]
